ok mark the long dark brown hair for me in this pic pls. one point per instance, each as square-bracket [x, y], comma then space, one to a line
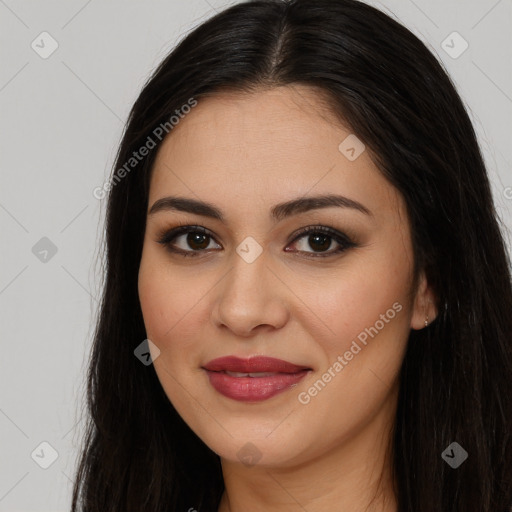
[455, 382]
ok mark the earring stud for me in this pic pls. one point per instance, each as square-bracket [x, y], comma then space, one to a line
[426, 321]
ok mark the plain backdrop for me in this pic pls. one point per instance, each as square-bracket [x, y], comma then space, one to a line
[62, 117]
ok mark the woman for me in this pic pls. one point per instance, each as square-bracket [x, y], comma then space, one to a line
[301, 239]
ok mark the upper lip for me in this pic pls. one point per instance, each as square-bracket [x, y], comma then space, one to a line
[253, 365]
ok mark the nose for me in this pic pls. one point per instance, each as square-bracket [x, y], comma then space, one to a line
[251, 298]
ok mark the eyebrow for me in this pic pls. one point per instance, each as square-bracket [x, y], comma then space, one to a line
[278, 212]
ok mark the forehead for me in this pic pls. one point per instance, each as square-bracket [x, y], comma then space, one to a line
[248, 149]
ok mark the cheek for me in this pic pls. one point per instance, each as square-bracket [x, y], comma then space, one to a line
[365, 320]
[155, 303]
[161, 306]
[372, 295]
[172, 301]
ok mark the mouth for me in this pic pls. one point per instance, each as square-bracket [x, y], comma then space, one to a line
[255, 379]
[254, 365]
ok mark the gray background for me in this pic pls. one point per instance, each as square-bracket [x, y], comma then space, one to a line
[62, 119]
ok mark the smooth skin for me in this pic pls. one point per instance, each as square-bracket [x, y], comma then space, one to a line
[244, 153]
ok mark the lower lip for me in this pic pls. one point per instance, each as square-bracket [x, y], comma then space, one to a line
[253, 389]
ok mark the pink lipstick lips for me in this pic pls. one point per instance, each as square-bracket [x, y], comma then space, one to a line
[254, 379]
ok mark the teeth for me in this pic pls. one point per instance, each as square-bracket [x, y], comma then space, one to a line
[257, 374]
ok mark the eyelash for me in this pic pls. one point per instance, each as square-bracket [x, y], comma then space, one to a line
[343, 240]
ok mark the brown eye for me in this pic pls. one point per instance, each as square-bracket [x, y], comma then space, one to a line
[194, 240]
[321, 239]
[320, 242]
[197, 240]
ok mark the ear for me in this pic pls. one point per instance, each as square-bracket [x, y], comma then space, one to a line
[424, 308]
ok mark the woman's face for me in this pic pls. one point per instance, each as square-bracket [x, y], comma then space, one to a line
[336, 304]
